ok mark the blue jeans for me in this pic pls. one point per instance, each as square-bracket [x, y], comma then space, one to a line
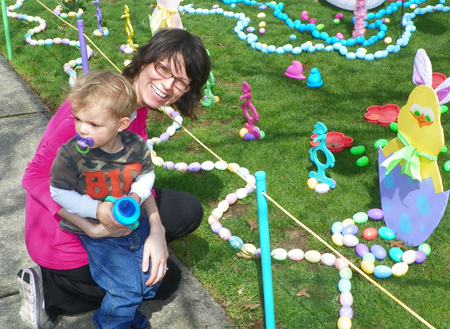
[116, 266]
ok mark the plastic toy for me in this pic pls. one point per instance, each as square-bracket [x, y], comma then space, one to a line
[314, 79]
[128, 28]
[84, 143]
[295, 71]
[126, 211]
[166, 16]
[251, 128]
[321, 130]
[383, 115]
[304, 15]
[438, 78]
[412, 196]
[351, 4]
[101, 31]
[335, 141]
[209, 98]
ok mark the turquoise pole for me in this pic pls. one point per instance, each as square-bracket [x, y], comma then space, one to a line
[6, 26]
[264, 237]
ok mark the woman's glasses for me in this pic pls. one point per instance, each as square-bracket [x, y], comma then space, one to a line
[180, 84]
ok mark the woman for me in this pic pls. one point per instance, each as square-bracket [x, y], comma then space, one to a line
[170, 69]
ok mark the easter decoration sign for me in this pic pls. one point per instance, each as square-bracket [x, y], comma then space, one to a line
[412, 196]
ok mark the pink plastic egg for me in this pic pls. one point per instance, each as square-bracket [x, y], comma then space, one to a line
[339, 16]
[370, 233]
[339, 35]
[312, 21]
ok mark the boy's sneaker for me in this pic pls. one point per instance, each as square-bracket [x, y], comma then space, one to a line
[32, 310]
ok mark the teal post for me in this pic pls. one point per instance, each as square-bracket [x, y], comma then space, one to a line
[264, 237]
[6, 26]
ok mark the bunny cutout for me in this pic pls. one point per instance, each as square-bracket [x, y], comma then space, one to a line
[411, 190]
[166, 16]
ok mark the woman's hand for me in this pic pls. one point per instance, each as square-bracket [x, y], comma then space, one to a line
[155, 248]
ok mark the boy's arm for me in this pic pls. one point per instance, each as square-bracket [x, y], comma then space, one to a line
[75, 203]
[143, 186]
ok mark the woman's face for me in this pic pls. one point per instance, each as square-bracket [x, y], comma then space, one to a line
[153, 90]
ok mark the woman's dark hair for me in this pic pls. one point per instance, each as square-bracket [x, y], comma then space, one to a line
[170, 44]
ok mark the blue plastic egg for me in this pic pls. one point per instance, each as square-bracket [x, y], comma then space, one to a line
[350, 229]
[236, 242]
[378, 251]
[337, 227]
[344, 285]
[382, 271]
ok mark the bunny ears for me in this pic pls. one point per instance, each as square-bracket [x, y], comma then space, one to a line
[423, 75]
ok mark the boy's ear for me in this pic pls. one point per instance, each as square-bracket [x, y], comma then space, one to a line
[124, 123]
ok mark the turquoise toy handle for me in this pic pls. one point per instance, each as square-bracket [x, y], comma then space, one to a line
[126, 211]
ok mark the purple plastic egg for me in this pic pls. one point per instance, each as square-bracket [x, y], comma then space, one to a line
[194, 167]
[249, 188]
[346, 311]
[164, 137]
[350, 229]
[216, 227]
[375, 214]
[122, 48]
[378, 251]
[249, 137]
[421, 256]
[361, 249]
[169, 165]
[175, 114]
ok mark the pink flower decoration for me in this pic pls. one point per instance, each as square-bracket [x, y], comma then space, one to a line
[335, 141]
[382, 115]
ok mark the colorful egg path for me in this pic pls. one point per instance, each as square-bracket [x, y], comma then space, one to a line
[334, 43]
[343, 233]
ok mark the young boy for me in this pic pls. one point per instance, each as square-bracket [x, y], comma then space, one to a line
[103, 162]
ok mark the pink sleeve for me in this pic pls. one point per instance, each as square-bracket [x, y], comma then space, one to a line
[139, 125]
[36, 180]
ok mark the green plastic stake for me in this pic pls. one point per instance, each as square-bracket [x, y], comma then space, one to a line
[6, 27]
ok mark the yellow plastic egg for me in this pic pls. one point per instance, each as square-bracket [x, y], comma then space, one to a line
[233, 167]
[312, 182]
[348, 221]
[400, 269]
[309, 43]
[72, 14]
[344, 322]
[388, 40]
[262, 24]
[337, 239]
[367, 266]
[217, 99]
[387, 20]
[242, 132]
[261, 15]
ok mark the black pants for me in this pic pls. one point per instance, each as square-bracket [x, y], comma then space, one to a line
[74, 291]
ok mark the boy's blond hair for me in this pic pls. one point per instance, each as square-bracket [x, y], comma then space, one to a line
[108, 90]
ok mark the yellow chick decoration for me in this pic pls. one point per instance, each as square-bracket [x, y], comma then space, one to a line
[412, 196]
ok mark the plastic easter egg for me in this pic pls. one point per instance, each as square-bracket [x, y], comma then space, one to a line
[262, 31]
[393, 126]
[233, 167]
[350, 229]
[370, 233]
[444, 149]
[248, 249]
[396, 254]
[262, 24]
[181, 166]
[169, 165]
[321, 188]
[241, 193]
[257, 252]
[425, 247]
[225, 234]
[216, 227]
[346, 311]
[381, 142]
[367, 266]
[296, 254]
[361, 249]
[223, 205]
[219, 165]
[231, 198]
[344, 322]
[207, 165]
[261, 15]
[243, 171]
[157, 161]
[421, 257]
[375, 214]
[360, 217]
[336, 21]
[369, 256]
[357, 150]
[250, 179]
[399, 269]
[312, 183]
[194, 167]
[339, 16]
[171, 130]
[386, 233]
[242, 132]
[337, 227]
[388, 40]
[340, 263]
[346, 298]
[344, 285]
[382, 271]
[218, 213]
[348, 221]
[345, 273]
[378, 251]
[328, 259]
[279, 254]
[212, 218]
[236, 242]
[350, 240]
[409, 256]
[312, 256]
[362, 161]
[337, 239]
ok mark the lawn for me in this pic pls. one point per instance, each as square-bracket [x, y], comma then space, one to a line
[305, 293]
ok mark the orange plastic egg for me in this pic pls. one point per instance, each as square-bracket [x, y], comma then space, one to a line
[370, 233]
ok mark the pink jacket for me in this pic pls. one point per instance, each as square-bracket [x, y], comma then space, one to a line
[47, 244]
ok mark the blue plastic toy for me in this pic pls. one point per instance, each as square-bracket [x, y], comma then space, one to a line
[321, 131]
[314, 79]
[126, 211]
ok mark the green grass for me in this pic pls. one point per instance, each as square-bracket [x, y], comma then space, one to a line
[288, 111]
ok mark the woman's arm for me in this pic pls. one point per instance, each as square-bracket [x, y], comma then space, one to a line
[155, 246]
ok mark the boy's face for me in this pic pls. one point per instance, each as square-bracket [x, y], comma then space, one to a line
[98, 124]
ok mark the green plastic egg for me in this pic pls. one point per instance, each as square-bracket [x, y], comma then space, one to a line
[362, 161]
[336, 21]
[447, 166]
[444, 149]
[369, 256]
[357, 150]
[425, 247]
[444, 108]
[393, 126]
[381, 142]
[320, 27]
[360, 217]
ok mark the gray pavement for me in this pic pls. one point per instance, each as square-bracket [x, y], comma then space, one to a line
[23, 118]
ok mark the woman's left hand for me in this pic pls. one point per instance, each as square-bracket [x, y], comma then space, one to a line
[155, 248]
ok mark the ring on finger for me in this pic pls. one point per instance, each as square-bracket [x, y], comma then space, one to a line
[166, 268]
